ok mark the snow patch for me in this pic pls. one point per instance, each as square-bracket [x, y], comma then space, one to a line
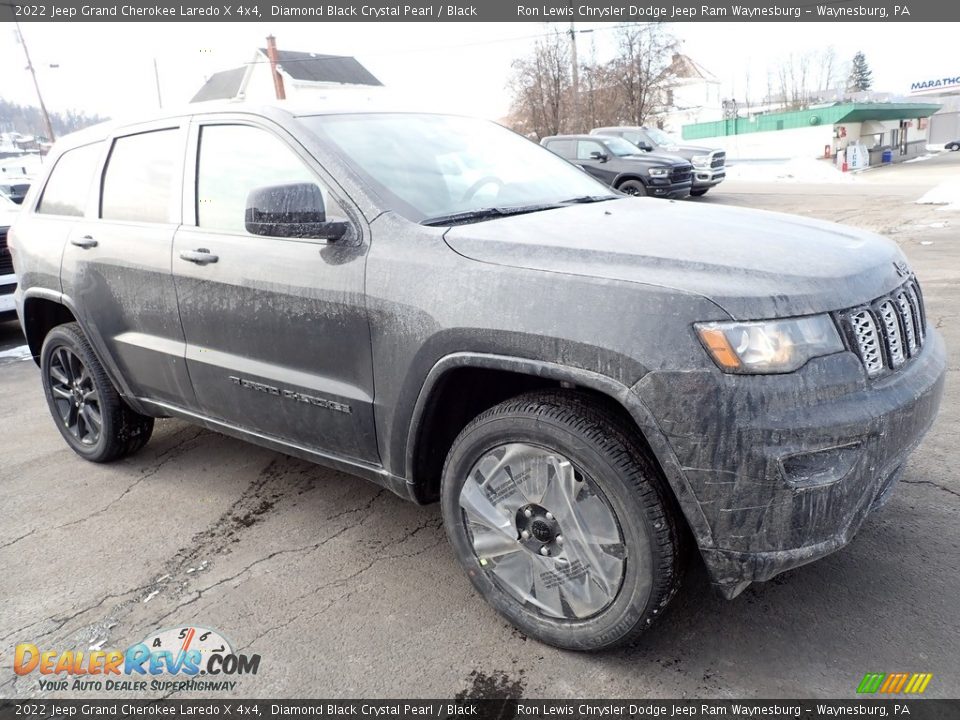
[798, 170]
[17, 353]
[946, 193]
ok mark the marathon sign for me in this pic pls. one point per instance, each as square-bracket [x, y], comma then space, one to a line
[939, 85]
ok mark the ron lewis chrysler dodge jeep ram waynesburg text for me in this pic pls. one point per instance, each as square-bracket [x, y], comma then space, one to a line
[582, 379]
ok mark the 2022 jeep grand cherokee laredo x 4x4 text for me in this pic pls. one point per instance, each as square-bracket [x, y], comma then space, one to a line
[445, 308]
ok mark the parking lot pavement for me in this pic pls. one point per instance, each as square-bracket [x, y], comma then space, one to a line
[345, 590]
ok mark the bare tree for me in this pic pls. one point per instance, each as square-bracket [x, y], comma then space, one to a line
[541, 86]
[644, 52]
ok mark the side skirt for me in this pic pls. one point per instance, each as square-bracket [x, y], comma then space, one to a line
[367, 471]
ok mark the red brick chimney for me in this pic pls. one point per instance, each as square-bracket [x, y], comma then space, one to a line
[274, 60]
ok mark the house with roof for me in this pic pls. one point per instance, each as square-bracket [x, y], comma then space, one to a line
[690, 94]
[274, 74]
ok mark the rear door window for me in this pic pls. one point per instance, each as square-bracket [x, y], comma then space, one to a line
[67, 189]
[563, 148]
[138, 185]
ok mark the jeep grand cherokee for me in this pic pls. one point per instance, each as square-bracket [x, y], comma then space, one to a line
[582, 379]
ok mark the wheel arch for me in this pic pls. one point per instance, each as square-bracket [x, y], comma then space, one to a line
[43, 311]
[623, 177]
[425, 449]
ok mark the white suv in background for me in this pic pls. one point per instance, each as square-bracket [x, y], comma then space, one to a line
[8, 281]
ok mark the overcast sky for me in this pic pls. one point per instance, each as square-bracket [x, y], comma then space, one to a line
[107, 68]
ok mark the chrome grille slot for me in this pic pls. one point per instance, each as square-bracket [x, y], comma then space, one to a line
[909, 328]
[916, 302]
[890, 320]
[868, 341]
[890, 331]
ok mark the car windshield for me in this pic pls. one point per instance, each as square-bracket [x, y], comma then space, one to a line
[661, 138]
[429, 167]
[620, 147]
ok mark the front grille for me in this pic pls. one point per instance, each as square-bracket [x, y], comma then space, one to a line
[889, 331]
[681, 173]
[6, 262]
[718, 160]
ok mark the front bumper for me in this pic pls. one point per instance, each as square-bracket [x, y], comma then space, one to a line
[665, 189]
[785, 468]
[708, 177]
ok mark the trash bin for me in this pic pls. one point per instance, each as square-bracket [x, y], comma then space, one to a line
[887, 155]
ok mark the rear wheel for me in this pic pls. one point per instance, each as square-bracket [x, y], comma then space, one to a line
[561, 521]
[632, 187]
[88, 411]
[954, 146]
[699, 192]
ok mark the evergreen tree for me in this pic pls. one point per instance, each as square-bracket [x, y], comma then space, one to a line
[861, 76]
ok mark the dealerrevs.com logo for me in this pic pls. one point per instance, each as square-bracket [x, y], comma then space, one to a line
[181, 659]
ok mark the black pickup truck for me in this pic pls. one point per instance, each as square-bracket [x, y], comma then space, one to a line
[623, 166]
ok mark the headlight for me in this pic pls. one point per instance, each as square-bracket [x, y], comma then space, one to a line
[658, 172]
[769, 346]
[700, 160]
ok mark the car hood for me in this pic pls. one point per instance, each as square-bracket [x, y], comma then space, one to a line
[752, 263]
[652, 158]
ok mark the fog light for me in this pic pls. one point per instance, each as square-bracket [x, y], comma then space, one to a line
[820, 468]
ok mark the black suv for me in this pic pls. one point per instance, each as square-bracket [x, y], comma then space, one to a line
[585, 381]
[623, 166]
[709, 164]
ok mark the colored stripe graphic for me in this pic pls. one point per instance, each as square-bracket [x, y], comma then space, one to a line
[895, 683]
[870, 683]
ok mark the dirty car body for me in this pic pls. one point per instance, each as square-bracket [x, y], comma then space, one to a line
[370, 346]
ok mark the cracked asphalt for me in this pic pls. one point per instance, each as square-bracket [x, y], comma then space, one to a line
[347, 591]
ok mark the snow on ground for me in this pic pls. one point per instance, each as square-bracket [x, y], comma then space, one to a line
[921, 158]
[799, 170]
[946, 193]
[17, 353]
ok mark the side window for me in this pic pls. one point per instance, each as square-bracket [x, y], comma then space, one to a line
[138, 182]
[563, 148]
[585, 147]
[635, 138]
[236, 159]
[69, 184]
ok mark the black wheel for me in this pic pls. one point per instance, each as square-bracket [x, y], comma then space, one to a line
[561, 520]
[632, 187]
[89, 413]
[699, 192]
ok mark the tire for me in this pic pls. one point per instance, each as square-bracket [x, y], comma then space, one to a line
[72, 374]
[954, 147]
[632, 187]
[593, 591]
[699, 193]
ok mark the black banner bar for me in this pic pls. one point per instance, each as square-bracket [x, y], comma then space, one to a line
[111, 709]
[480, 10]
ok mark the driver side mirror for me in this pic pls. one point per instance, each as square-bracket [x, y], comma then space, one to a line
[645, 146]
[295, 210]
[596, 155]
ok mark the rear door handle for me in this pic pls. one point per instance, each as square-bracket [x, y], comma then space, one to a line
[200, 256]
[86, 242]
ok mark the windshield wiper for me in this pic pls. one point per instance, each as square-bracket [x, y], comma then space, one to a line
[583, 199]
[469, 216]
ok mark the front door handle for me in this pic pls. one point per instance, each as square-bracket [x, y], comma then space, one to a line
[200, 256]
[86, 242]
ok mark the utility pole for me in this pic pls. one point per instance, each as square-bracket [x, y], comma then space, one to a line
[575, 68]
[33, 74]
[156, 77]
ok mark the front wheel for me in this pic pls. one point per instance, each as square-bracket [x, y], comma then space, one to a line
[954, 147]
[88, 411]
[632, 187]
[561, 520]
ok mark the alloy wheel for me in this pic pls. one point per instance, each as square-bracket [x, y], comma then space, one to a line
[75, 396]
[544, 531]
